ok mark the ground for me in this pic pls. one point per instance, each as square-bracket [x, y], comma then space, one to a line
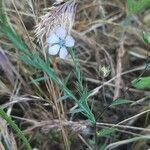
[111, 53]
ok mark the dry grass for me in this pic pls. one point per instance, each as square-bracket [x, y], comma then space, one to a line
[102, 41]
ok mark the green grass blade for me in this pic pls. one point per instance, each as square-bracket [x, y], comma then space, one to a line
[77, 71]
[38, 80]
[9, 33]
[120, 101]
[3, 16]
[15, 128]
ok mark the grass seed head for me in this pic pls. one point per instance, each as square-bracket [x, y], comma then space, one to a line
[59, 16]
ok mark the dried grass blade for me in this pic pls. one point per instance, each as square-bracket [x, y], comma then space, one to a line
[5, 65]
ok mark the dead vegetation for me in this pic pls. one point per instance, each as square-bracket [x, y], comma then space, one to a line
[111, 55]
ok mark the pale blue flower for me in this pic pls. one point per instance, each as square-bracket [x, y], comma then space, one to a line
[59, 41]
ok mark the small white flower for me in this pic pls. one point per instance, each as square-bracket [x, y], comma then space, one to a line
[59, 41]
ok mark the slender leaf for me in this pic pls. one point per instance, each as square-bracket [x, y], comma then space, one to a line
[141, 83]
[76, 110]
[15, 128]
[38, 80]
[120, 101]
[63, 98]
[102, 147]
[10, 34]
[146, 37]
[106, 132]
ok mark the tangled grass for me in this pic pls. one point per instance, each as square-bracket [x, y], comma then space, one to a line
[98, 98]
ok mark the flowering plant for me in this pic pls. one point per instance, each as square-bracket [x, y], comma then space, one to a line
[53, 31]
[59, 41]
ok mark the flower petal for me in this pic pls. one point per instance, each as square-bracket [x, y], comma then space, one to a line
[63, 53]
[53, 50]
[69, 42]
[61, 32]
[52, 39]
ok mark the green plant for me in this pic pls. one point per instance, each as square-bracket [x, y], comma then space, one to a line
[33, 59]
[15, 128]
[135, 7]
